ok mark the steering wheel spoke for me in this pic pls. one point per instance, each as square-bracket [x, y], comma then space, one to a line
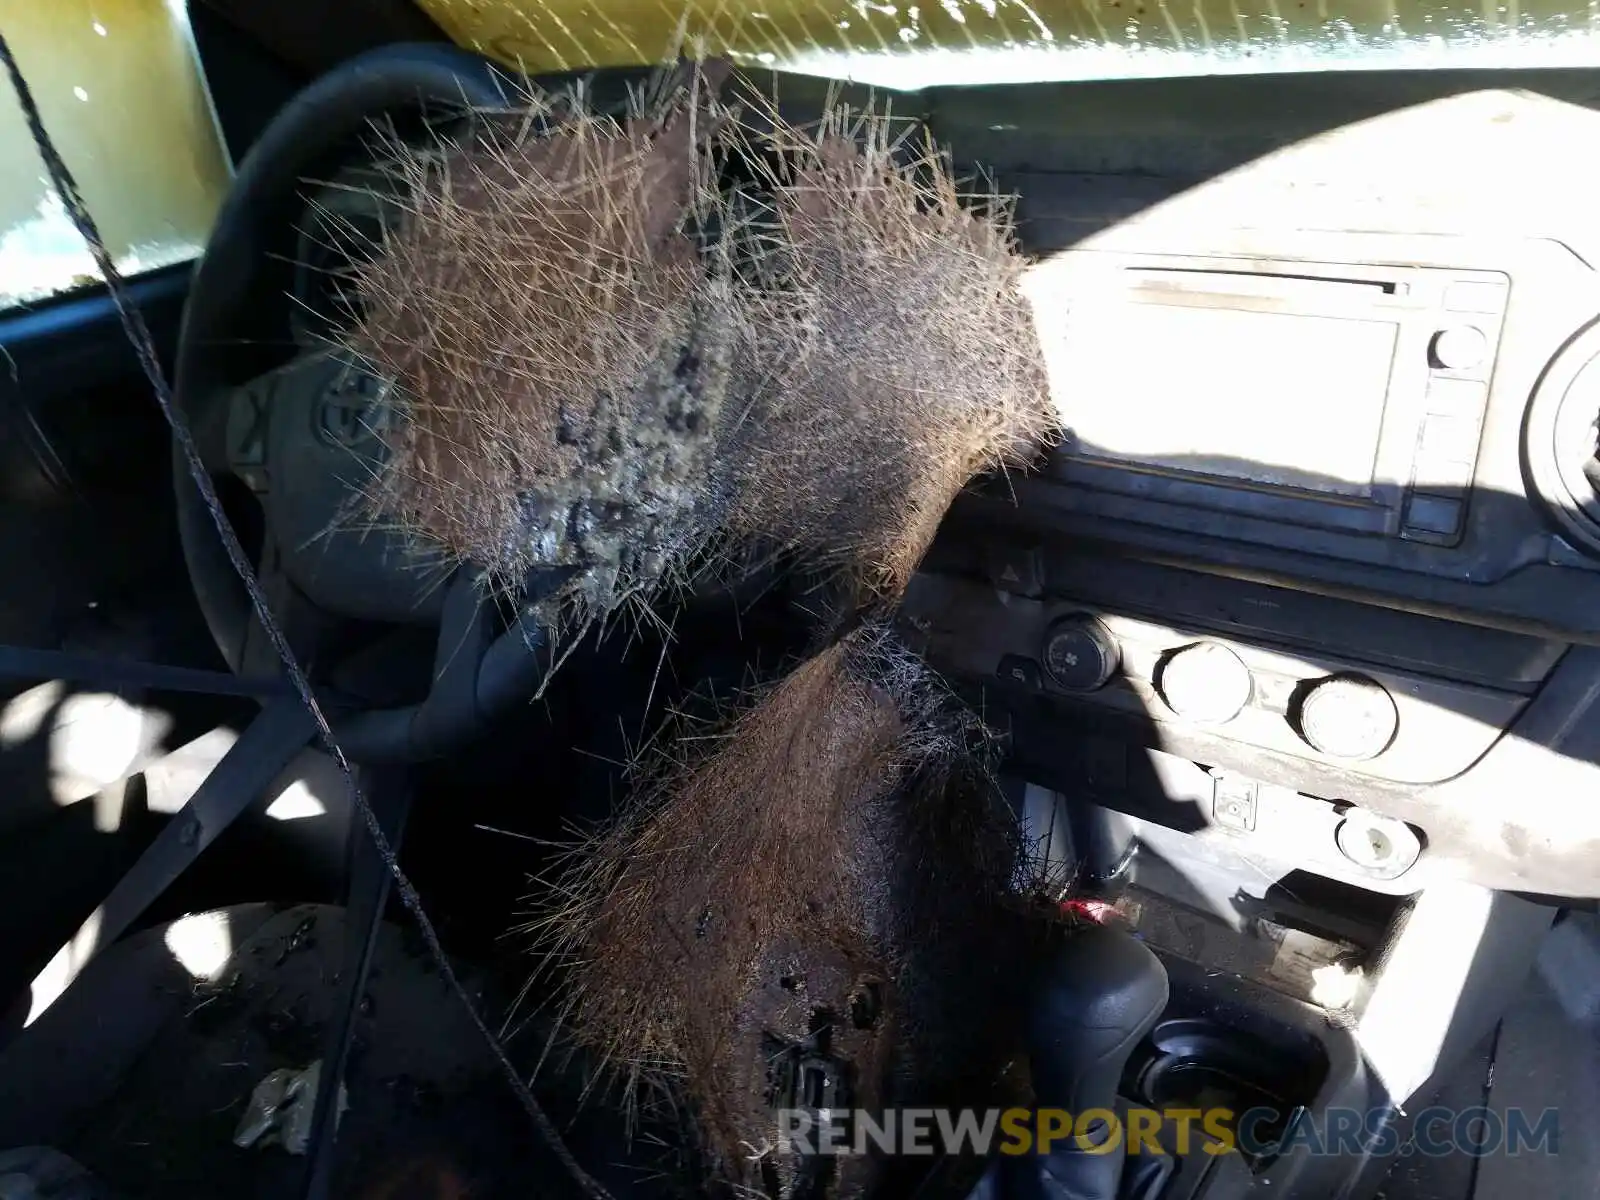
[236, 433]
[301, 622]
[308, 438]
[466, 630]
[238, 439]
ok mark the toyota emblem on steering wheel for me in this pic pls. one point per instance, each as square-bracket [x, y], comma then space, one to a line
[352, 410]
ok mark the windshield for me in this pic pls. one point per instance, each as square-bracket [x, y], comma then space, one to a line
[120, 88]
[894, 44]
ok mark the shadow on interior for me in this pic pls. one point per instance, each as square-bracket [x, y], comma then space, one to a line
[1323, 736]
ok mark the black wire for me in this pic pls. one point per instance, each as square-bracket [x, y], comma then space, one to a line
[1483, 1102]
[144, 346]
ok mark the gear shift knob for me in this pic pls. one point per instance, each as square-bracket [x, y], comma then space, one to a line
[1100, 994]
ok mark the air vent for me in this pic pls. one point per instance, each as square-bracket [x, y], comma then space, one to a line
[1563, 440]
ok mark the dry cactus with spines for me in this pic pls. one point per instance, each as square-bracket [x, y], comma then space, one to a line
[589, 379]
[614, 361]
[896, 357]
[559, 344]
[825, 856]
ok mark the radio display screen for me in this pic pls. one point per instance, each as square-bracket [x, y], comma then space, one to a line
[1281, 400]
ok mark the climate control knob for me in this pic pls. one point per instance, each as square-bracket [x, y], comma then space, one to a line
[1205, 683]
[1080, 653]
[1348, 716]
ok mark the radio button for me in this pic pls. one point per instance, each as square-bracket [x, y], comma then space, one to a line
[1448, 441]
[1434, 515]
[1459, 348]
[1459, 397]
[1476, 296]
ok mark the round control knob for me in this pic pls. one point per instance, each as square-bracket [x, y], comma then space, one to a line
[1459, 348]
[1205, 683]
[1348, 716]
[1080, 653]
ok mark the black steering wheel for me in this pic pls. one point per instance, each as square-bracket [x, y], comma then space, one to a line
[294, 439]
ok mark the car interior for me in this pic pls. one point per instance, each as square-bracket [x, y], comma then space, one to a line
[1307, 707]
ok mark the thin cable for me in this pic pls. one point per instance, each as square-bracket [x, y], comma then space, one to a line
[144, 346]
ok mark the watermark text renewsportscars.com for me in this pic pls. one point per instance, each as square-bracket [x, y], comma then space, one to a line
[1436, 1131]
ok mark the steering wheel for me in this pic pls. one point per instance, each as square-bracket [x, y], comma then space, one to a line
[295, 438]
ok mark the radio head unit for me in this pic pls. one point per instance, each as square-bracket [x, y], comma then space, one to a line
[1322, 395]
[1378, 415]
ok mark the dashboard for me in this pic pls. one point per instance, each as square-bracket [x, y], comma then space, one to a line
[1322, 542]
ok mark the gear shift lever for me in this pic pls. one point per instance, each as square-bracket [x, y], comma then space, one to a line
[1096, 999]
